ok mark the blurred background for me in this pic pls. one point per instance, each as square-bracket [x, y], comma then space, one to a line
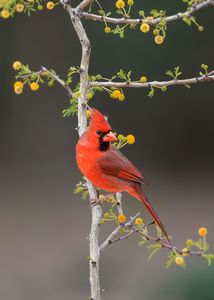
[43, 225]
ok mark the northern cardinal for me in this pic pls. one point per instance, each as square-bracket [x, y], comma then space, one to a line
[106, 167]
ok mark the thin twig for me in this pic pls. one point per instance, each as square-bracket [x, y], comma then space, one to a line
[59, 80]
[153, 22]
[184, 82]
[109, 239]
[149, 238]
[54, 76]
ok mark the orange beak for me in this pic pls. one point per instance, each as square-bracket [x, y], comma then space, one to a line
[109, 137]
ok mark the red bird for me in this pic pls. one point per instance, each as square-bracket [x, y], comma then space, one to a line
[106, 167]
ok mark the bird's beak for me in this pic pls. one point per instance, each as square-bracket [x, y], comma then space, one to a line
[109, 137]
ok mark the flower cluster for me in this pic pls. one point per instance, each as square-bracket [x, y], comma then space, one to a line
[9, 8]
[124, 140]
[153, 242]
[27, 77]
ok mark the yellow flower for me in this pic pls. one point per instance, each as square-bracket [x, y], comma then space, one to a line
[185, 251]
[149, 18]
[88, 113]
[107, 29]
[143, 79]
[144, 27]
[18, 87]
[130, 2]
[117, 94]
[202, 231]
[138, 221]
[200, 28]
[5, 14]
[121, 97]
[17, 65]
[19, 7]
[179, 260]
[120, 137]
[159, 39]
[121, 218]
[189, 243]
[130, 139]
[120, 4]
[89, 96]
[163, 88]
[50, 5]
[34, 86]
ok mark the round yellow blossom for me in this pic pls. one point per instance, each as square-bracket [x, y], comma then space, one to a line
[130, 139]
[159, 39]
[88, 113]
[143, 79]
[19, 7]
[179, 260]
[89, 96]
[77, 94]
[120, 137]
[163, 88]
[50, 5]
[107, 215]
[120, 4]
[144, 27]
[107, 29]
[117, 94]
[155, 31]
[18, 87]
[17, 65]
[185, 251]
[34, 86]
[121, 97]
[138, 221]
[5, 14]
[130, 2]
[121, 218]
[149, 18]
[189, 243]
[202, 231]
[200, 28]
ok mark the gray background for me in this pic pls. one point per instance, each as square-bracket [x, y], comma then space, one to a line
[43, 225]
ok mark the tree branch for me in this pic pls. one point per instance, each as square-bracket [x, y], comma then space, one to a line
[153, 22]
[96, 210]
[132, 84]
[53, 75]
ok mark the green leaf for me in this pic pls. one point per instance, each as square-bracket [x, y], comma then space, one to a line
[153, 248]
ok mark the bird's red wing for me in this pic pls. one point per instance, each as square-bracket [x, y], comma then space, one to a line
[116, 164]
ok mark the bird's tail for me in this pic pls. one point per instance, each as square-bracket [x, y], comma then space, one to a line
[141, 196]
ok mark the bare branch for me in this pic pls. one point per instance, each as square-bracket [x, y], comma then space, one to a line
[185, 82]
[153, 22]
[59, 80]
[96, 210]
[83, 5]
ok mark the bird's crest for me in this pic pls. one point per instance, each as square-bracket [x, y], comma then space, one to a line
[98, 121]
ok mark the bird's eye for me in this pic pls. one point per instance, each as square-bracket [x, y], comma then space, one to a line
[99, 132]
